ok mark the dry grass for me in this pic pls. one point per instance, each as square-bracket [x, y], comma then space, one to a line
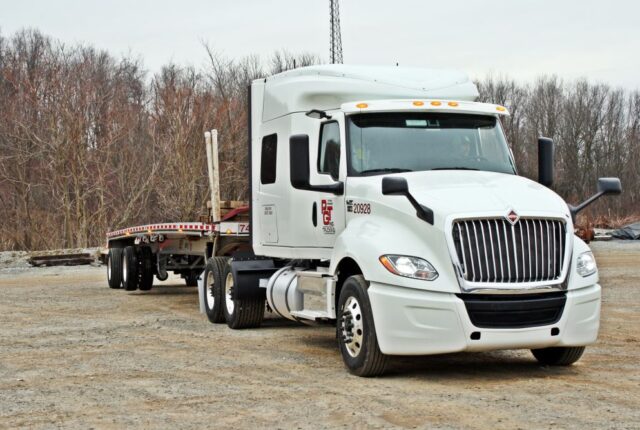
[587, 222]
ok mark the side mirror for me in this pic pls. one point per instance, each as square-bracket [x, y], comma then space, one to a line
[545, 161]
[609, 186]
[299, 167]
[606, 186]
[395, 186]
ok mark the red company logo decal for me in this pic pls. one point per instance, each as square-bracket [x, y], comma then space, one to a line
[326, 206]
[512, 217]
[327, 209]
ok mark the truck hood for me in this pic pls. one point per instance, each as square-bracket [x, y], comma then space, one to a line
[471, 193]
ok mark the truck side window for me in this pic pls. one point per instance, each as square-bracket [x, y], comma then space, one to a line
[329, 155]
[268, 159]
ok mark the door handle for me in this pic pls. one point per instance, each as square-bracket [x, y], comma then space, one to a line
[314, 214]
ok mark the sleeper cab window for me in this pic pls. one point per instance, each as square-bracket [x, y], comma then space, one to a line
[329, 155]
[268, 159]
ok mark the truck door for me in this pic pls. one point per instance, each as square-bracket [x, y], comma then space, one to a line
[330, 167]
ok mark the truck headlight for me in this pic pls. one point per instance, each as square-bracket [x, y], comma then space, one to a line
[410, 267]
[586, 264]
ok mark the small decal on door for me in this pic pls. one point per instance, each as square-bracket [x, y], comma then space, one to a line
[326, 208]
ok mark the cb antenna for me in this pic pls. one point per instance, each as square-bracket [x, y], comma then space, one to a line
[336, 39]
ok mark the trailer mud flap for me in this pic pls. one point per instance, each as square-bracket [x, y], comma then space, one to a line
[246, 278]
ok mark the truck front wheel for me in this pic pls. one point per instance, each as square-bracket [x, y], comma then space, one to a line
[356, 331]
[114, 268]
[558, 356]
[245, 313]
[214, 279]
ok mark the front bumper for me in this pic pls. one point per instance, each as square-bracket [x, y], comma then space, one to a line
[413, 322]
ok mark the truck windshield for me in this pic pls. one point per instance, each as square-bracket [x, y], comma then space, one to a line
[382, 143]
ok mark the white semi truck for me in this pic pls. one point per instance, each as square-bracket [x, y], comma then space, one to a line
[386, 201]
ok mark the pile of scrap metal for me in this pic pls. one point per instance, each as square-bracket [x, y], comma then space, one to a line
[61, 259]
[629, 232]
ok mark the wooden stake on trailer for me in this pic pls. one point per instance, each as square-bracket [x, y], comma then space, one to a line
[211, 143]
[215, 189]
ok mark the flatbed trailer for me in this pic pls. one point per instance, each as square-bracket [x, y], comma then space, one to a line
[135, 255]
[178, 247]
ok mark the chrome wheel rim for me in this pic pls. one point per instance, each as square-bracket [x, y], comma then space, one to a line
[210, 298]
[228, 291]
[124, 269]
[109, 268]
[352, 327]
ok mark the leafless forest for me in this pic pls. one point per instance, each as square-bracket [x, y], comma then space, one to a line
[91, 142]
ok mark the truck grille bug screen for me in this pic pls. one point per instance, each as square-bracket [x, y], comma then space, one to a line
[497, 251]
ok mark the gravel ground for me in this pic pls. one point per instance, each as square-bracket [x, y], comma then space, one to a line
[75, 354]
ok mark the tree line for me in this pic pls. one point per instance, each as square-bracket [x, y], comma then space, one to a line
[90, 142]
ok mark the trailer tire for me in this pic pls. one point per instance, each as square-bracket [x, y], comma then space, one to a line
[130, 269]
[245, 313]
[214, 278]
[558, 356]
[356, 332]
[114, 268]
[145, 267]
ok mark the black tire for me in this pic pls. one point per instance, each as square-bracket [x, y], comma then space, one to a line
[145, 269]
[558, 356]
[191, 278]
[114, 268]
[130, 269]
[359, 348]
[244, 313]
[214, 273]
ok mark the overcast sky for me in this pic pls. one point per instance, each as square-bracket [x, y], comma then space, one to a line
[599, 40]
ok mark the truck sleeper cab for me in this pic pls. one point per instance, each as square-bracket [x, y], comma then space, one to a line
[386, 201]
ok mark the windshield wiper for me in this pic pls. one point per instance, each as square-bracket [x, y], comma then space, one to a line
[385, 170]
[454, 168]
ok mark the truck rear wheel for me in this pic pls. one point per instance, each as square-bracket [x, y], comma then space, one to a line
[114, 268]
[356, 331]
[558, 356]
[246, 313]
[130, 270]
[214, 278]
[145, 267]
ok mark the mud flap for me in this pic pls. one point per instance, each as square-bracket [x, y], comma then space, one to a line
[246, 277]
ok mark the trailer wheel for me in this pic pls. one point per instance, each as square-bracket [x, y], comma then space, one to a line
[145, 267]
[356, 331]
[558, 356]
[240, 313]
[114, 268]
[130, 272]
[214, 278]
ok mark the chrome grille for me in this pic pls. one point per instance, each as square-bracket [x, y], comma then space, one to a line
[493, 250]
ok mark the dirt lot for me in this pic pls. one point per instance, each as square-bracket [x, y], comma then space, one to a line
[74, 353]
